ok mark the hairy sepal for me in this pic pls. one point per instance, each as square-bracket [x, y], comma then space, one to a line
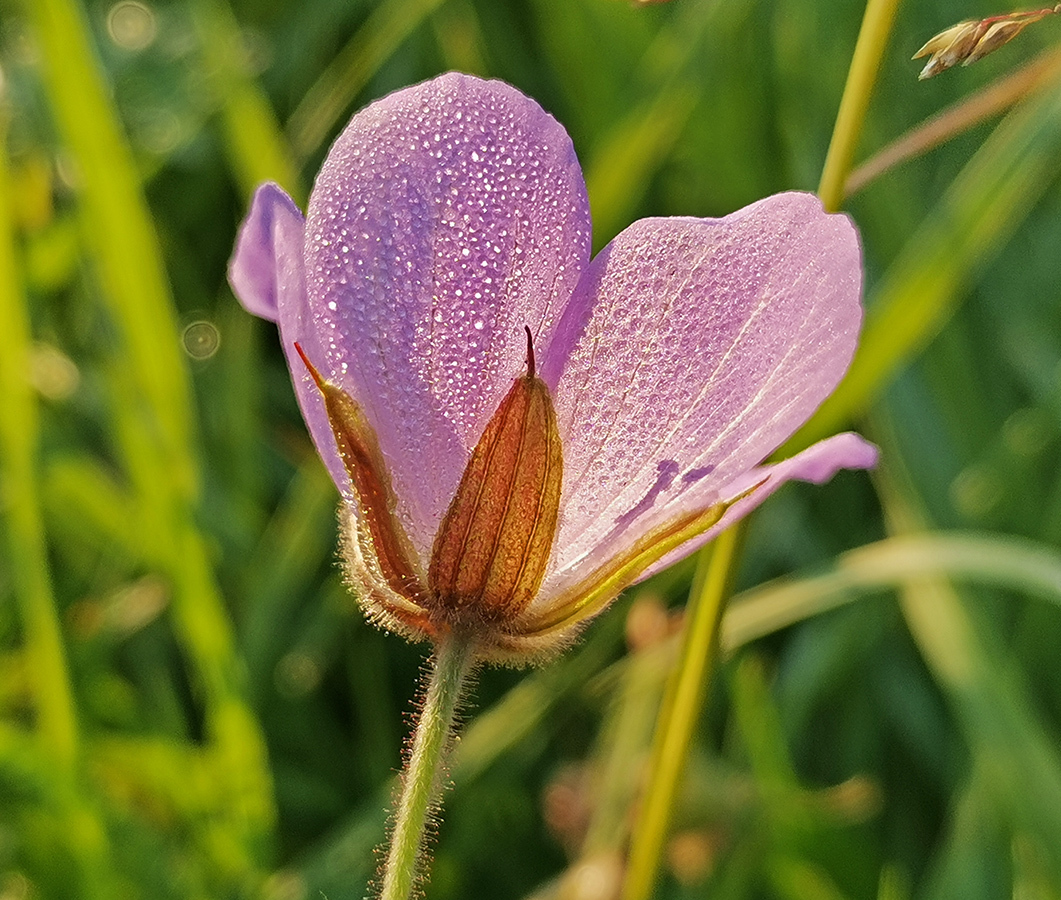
[493, 546]
[380, 565]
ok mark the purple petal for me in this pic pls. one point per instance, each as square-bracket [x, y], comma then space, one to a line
[267, 274]
[692, 349]
[447, 217]
[817, 464]
[272, 222]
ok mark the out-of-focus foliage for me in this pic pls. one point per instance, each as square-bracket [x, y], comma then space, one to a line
[191, 705]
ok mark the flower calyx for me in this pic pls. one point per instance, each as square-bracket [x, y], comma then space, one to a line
[493, 545]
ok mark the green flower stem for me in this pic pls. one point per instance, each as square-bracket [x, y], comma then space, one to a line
[861, 77]
[684, 698]
[453, 661]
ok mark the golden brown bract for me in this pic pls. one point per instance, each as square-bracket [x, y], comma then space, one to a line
[493, 546]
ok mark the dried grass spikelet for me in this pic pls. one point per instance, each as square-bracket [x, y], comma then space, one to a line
[973, 39]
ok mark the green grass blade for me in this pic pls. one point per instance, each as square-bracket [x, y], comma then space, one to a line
[996, 560]
[151, 408]
[31, 579]
[335, 90]
[57, 725]
[620, 167]
[85, 506]
[118, 230]
[861, 77]
[296, 543]
[682, 705]
[256, 146]
[996, 710]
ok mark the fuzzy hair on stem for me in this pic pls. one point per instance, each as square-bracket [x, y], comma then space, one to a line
[447, 681]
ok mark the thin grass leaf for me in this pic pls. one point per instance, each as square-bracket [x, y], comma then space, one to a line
[86, 506]
[526, 706]
[969, 863]
[625, 739]
[1000, 561]
[298, 540]
[152, 415]
[796, 879]
[621, 165]
[992, 100]
[1020, 764]
[332, 94]
[58, 738]
[256, 146]
[682, 705]
[27, 551]
[862, 76]
[118, 231]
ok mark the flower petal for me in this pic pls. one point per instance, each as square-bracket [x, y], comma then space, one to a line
[817, 464]
[273, 223]
[267, 274]
[692, 349]
[448, 217]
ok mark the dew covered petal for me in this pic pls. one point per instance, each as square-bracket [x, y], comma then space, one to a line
[817, 464]
[267, 273]
[268, 250]
[691, 350]
[447, 218]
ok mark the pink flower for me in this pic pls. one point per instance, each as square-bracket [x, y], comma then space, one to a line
[447, 245]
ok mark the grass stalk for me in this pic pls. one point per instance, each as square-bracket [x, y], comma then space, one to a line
[684, 698]
[861, 78]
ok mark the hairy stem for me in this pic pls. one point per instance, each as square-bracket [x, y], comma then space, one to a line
[452, 662]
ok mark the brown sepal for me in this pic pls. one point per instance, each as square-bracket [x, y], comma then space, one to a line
[385, 548]
[492, 548]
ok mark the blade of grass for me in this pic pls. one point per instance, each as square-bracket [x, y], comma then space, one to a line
[298, 539]
[56, 715]
[865, 63]
[53, 697]
[958, 118]
[999, 561]
[255, 144]
[85, 505]
[684, 698]
[625, 737]
[620, 167]
[335, 90]
[677, 719]
[1020, 763]
[152, 415]
[117, 229]
[526, 706]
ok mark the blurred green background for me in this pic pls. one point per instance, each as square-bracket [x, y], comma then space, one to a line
[190, 704]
